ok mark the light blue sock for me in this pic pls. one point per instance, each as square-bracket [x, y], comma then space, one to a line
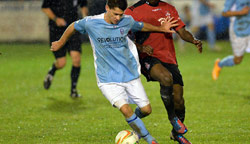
[227, 61]
[211, 38]
[138, 126]
[139, 113]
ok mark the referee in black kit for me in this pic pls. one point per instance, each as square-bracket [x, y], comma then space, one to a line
[62, 13]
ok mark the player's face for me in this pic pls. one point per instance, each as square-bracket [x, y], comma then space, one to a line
[153, 2]
[114, 15]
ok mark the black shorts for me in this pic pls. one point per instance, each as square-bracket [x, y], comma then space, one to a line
[73, 44]
[148, 62]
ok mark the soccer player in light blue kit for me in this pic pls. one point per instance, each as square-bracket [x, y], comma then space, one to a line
[239, 34]
[202, 16]
[116, 59]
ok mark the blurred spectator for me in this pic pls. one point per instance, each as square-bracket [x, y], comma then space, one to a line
[185, 16]
[202, 16]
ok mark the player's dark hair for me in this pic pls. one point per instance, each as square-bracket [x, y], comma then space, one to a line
[121, 4]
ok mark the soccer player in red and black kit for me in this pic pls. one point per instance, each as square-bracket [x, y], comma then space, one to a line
[158, 58]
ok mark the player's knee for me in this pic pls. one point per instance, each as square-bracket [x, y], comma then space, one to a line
[237, 61]
[76, 63]
[60, 64]
[166, 80]
[146, 111]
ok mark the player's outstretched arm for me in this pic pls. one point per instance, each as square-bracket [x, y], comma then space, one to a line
[242, 12]
[188, 37]
[56, 45]
[166, 26]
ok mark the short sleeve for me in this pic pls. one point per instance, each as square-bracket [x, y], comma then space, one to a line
[228, 5]
[135, 25]
[80, 25]
[46, 3]
[176, 16]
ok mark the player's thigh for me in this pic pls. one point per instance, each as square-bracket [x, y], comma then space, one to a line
[160, 73]
[239, 44]
[176, 74]
[136, 93]
[114, 92]
[146, 65]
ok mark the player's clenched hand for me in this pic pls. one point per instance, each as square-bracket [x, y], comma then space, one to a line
[56, 45]
[198, 44]
[168, 24]
[60, 22]
[147, 49]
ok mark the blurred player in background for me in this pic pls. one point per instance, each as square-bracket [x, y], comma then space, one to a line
[61, 13]
[186, 18]
[239, 34]
[202, 16]
[116, 59]
[96, 7]
[158, 59]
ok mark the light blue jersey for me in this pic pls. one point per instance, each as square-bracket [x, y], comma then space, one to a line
[241, 23]
[116, 57]
[204, 9]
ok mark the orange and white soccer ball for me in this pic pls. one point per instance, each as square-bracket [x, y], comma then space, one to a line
[126, 137]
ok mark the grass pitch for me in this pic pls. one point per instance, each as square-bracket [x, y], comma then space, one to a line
[217, 112]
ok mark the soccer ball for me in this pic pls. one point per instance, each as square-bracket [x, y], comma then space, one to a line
[126, 137]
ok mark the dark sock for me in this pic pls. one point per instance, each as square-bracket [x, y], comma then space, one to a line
[167, 98]
[75, 72]
[52, 70]
[139, 113]
[180, 114]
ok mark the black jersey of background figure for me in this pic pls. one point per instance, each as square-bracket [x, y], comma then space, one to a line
[66, 9]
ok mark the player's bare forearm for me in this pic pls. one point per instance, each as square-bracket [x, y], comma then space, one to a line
[64, 38]
[188, 37]
[49, 13]
[68, 33]
[242, 12]
[166, 26]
